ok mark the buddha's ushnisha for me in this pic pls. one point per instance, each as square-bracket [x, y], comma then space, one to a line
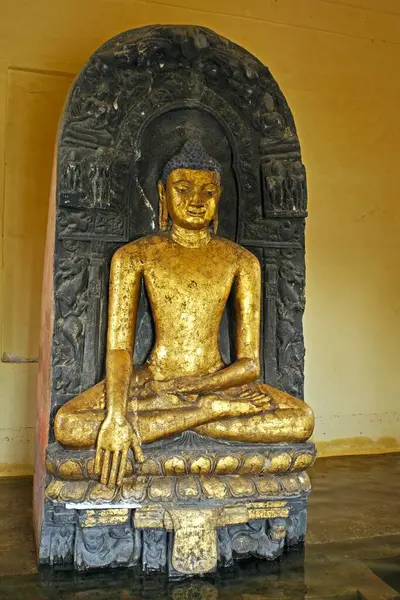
[189, 273]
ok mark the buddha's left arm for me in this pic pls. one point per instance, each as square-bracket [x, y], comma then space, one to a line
[247, 310]
[246, 368]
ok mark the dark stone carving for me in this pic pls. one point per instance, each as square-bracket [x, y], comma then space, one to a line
[65, 540]
[58, 536]
[290, 307]
[70, 287]
[71, 297]
[99, 547]
[82, 225]
[139, 98]
[96, 324]
[284, 187]
[260, 538]
[57, 545]
[62, 544]
[272, 124]
[296, 526]
[154, 553]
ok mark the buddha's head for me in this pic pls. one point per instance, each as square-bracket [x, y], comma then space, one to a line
[190, 188]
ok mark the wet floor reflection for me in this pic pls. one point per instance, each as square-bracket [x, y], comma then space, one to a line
[247, 580]
[352, 551]
[323, 572]
[387, 569]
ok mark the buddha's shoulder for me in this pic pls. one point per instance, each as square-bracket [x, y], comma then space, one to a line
[235, 251]
[140, 248]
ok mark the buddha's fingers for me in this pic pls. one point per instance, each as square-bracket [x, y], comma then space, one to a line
[97, 462]
[122, 468]
[114, 468]
[250, 395]
[263, 402]
[137, 448]
[246, 394]
[105, 469]
[262, 397]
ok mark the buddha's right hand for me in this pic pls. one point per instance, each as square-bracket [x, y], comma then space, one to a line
[113, 443]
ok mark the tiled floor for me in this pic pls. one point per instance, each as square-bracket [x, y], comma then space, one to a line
[352, 550]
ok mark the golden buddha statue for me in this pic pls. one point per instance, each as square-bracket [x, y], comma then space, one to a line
[189, 273]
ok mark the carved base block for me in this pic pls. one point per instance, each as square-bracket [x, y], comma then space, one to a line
[181, 535]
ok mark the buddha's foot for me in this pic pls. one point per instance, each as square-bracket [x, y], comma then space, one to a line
[235, 407]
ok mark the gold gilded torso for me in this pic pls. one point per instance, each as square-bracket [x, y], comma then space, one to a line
[188, 289]
[189, 274]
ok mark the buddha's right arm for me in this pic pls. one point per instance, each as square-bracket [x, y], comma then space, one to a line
[124, 290]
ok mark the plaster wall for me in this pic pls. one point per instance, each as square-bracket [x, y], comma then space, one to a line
[338, 64]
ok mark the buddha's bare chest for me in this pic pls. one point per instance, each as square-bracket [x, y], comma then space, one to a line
[188, 283]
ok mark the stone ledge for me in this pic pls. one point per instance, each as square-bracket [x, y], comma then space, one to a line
[190, 455]
[149, 489]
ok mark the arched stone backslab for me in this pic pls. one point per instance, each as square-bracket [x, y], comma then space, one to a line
[135, 103]
[138, 99]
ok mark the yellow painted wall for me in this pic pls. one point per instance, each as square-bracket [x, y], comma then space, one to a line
[338, 63]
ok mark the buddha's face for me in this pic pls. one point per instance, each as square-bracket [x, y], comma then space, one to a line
[192, 197]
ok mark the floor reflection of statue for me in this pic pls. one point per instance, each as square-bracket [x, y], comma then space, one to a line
[189, 273]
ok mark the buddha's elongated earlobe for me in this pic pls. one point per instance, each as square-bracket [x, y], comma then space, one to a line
[215, 219]
[215, 222]
[163, 210]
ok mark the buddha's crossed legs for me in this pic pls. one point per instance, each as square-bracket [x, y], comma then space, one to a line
[251, 413]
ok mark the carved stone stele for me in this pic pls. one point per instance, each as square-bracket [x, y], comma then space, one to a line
[138, 99]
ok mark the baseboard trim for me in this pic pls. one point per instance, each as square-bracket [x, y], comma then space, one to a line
[357, 445]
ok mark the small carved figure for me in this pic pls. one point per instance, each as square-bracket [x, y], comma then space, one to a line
[99, 177]
[189, 273]
[70, 292]
[98, 115]
[109, 224]
[154, 549]
[104, 547]
[62, 544]
[268, 121]
[289, 305]
[296, 185]
[98, 108]
[71, 281]
[276, 184]
[289, 281]
[73, 222]
[72, 173]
